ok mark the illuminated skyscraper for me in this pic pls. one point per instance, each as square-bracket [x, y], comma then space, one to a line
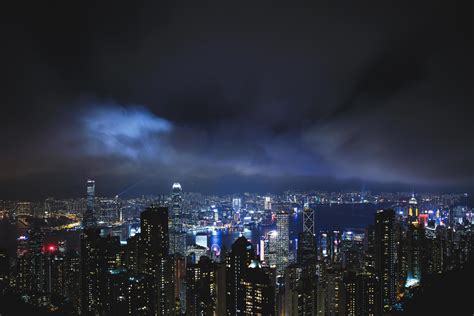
[282, 241]
[237, 262]
[153, 257]
[308, 221]
[258, 291]
[98, 256]
[201, 285]
[177, 233]
[89, 219]
[385, 253]
[267, 203]
[269, 248]
[414, 243]
[236, 204]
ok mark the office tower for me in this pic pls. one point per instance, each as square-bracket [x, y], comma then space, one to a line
[308, 221]
[154, 260]
[201, 285]
[177, 234]
[412, 208]
[385, 254]
[118, 210]
[237, 262]
[258, 291]
[269, 248]
[306, 252]
[89, 218]
[236, 204]
[267, 203]
[282, 241]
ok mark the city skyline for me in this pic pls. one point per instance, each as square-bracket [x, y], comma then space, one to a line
[250, 254]
[236, 159]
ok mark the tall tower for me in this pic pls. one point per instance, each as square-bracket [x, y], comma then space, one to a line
[385, 252]
[283, 241]
[267, 203]
[237, 262]
[89, 219]
[153, 255]
[308, 221]
[177, 233]
[259, 291]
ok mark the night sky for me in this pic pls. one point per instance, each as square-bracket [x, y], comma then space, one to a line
[224, 97]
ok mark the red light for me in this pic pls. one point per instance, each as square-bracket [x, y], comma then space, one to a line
[51, 248]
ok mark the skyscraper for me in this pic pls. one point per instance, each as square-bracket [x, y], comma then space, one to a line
[258, 291]
[237, 262]
[201, 286]
[414, 244]
[267, 203]
[308, 221]
[89, 219]
[177, 233]
[90, 298]
[385, 254]
[306, 252]
[154, 260]
[236, 204]
[282, 241]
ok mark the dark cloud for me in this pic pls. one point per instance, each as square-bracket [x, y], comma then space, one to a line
[256, 97]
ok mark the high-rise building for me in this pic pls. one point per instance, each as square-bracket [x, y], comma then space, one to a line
[237, 262]
[221, 288]
[72, 275]
[98, 256]
[334, 292]
[282, 241]
[267, 203]
[89, 218]
[414, 244]
[308, 221]
[366, 294]
[300, 289]
[258, 291]
[349, 294]
[90, 289]
[201, 286]
[236, 204]
[176, 228]
[153, 256]
[385, 254]
[306, 252]
[268, 248]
